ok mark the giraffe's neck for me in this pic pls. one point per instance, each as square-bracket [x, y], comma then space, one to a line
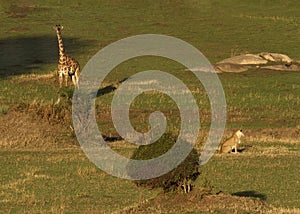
[60, 46]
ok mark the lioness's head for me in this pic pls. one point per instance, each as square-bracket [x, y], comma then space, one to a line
[239, 133]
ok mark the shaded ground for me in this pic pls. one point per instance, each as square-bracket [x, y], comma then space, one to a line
[22, 55]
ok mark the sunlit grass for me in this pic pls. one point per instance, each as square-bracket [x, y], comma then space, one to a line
[65, 181]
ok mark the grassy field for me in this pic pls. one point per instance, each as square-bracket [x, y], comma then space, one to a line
[42, 168]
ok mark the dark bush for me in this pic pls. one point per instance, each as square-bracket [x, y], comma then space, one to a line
[179, 178]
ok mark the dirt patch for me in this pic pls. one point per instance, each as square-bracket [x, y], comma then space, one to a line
[200, 202]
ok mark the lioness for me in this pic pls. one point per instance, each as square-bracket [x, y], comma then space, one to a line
[232, 142]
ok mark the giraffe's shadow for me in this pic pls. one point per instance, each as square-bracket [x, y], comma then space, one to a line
[109, 88]
[24, 55]
[251, 194]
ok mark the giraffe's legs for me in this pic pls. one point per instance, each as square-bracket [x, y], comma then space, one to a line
[66, 80]
[74, 80]
[76, 77]
[61, 77]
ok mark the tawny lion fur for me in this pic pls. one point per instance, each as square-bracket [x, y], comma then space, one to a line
[232, 142]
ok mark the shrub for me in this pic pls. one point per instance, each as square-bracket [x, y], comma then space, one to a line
[179, 178]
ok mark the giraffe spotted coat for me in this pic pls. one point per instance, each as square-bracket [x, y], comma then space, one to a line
[68, 67]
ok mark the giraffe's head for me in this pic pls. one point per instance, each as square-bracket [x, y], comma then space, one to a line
[58, 28]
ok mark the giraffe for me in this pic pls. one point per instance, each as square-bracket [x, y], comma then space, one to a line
[67, 66]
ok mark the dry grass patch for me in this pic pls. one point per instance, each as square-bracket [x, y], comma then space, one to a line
[87, 171]
[36, 126]
[200, 201]
[279, 135]
[68, 153]
[36, 77]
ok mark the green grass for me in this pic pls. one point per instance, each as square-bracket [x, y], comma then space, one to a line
[263, 98]
[267, 174]
[14, 92]
[62, 181]
[89, 26]
[39, 181]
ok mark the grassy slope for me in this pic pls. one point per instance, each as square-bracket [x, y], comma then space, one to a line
[61, 181]
[217, 28]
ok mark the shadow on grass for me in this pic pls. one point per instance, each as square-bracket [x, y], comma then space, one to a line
[251, 194]
[241, 150]
[110, 88]
[106, 90]
[22, 55]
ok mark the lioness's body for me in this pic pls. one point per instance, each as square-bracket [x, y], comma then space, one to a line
[232, 143]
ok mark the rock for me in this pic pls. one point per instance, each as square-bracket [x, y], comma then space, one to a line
[241, 63]
[267, 56]
[292, 67]
[229, 67]
[247, 59]
[202, 69]
[276, 57]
